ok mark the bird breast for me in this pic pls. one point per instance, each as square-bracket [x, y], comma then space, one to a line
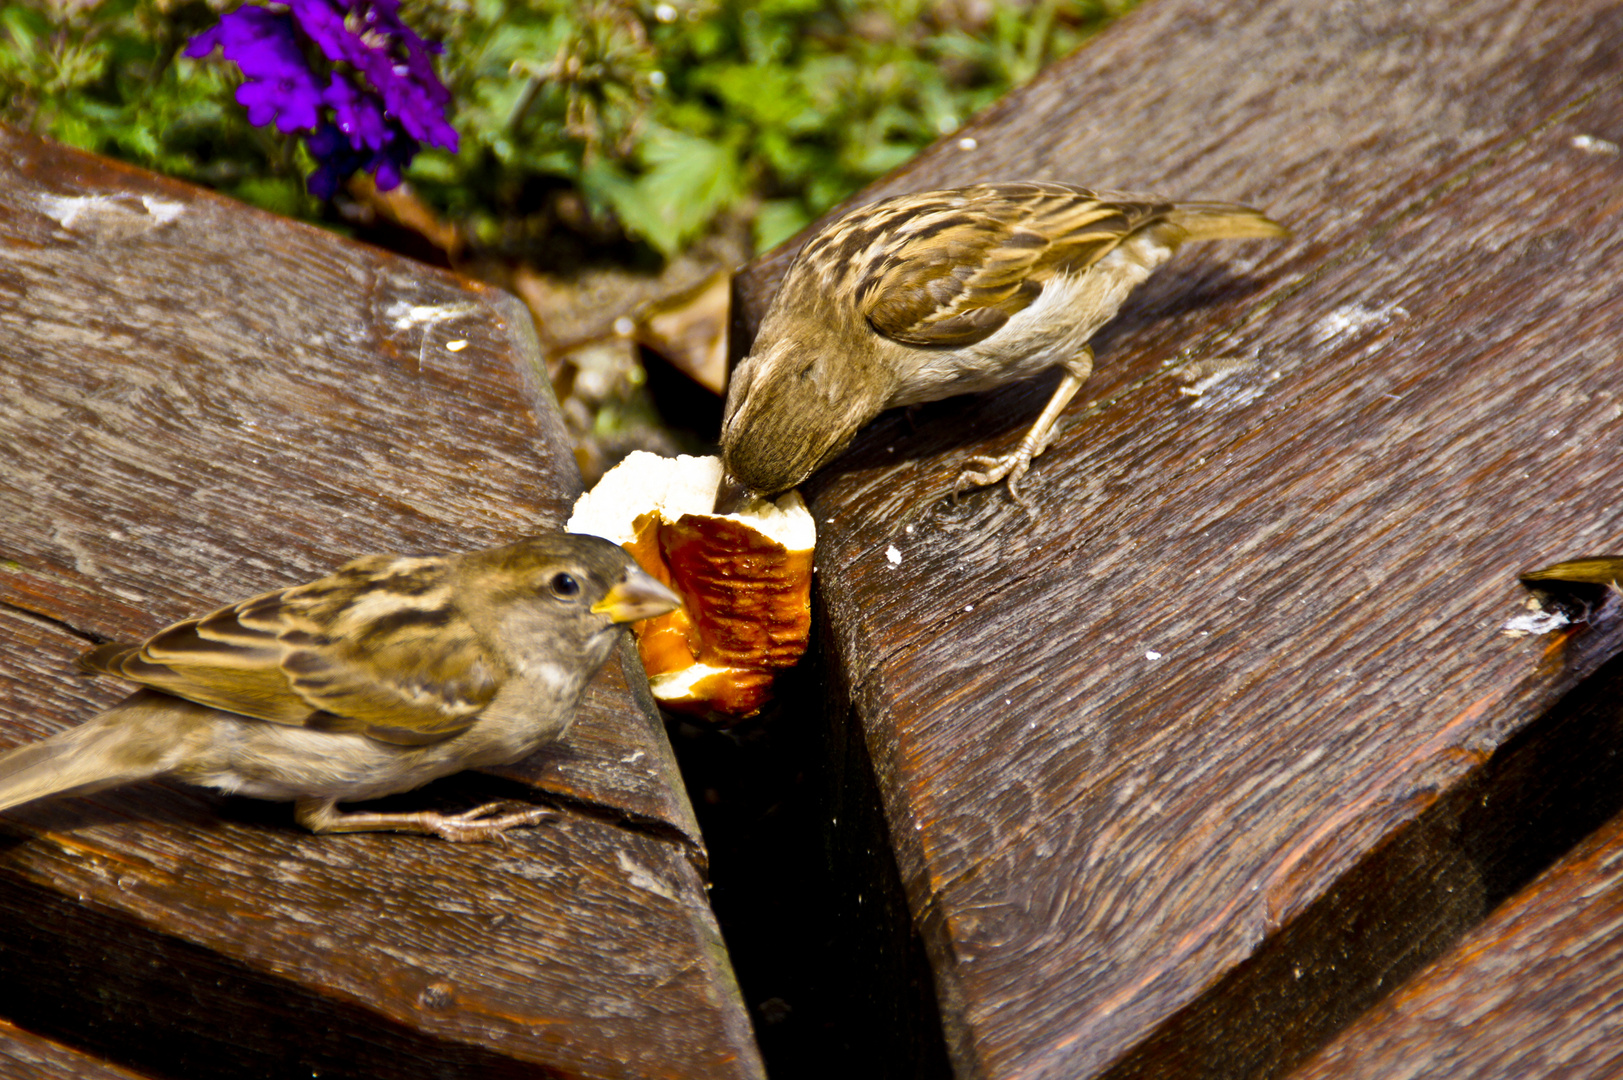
[281, 762]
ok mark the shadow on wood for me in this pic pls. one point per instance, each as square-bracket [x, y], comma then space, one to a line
[1410, 902]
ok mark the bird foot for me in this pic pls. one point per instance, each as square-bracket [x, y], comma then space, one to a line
[478, 824]
[1010, 468]
[487, 822]
[1013, 466]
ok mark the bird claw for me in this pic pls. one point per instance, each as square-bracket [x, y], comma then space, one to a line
[1009, 468]
[321, 816]
[477, 824]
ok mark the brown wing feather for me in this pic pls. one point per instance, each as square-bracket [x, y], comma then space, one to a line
[318, 655]
[408, 688]
[104, 659]
[954, 272]
[215, 660]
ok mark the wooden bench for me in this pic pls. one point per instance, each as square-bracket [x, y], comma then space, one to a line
[1191, 774]
[1536, 989]
[199, 402]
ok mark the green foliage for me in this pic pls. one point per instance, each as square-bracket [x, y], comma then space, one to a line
[109, 77]
[657, 116]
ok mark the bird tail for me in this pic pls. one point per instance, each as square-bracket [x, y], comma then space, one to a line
[105, 659]
[113, 748]
[1222, 221]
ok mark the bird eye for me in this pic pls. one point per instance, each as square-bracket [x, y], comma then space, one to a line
[564, 587]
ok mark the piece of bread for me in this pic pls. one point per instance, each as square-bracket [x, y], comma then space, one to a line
[744, 579]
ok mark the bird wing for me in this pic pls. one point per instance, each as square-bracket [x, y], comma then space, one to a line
[956, 265]
[321, 656]
[217, 660]
[1595, 570]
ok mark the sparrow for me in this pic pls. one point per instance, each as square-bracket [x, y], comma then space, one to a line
[925, 296]
[1579, 588]
[387, 673]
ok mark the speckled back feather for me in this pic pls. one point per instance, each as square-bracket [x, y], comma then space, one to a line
[949, 268]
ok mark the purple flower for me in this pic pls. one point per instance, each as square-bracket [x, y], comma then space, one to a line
[277, 83]
[376, 101]
[358, 115]
[339, 158]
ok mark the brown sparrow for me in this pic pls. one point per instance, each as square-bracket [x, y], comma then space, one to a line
[924, 296]
[1581, 589]
[381, 676]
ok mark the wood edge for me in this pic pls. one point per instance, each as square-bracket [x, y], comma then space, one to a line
[1459, 853]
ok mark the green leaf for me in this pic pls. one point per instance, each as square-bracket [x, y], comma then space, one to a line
[788, 104]
[687, 180]
[777, 221]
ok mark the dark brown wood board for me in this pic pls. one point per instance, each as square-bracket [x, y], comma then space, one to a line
[1535, 990]
[199, 402]
[26, 1056]
[1137, 754]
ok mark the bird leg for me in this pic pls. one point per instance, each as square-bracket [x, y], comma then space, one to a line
[1014, 465]
[323, 816]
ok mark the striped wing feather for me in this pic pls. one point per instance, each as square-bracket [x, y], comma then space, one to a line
[217, 660]
[962, 263]
[403, 680]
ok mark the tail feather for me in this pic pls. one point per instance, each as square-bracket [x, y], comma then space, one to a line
[105, 659]
[101, 753]
[1222, 221]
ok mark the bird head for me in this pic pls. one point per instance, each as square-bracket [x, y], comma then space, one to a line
[792, 407]
[564, 584]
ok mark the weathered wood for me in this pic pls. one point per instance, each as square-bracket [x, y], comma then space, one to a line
[202, 402]
[1136, 755]
[26, 1056]
[1536, 990]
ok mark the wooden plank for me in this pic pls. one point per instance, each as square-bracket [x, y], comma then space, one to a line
[1134, 755]
[1536, 990]
[202, 402]
[26, 1056]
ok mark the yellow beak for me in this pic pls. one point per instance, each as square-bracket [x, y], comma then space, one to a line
[639, 596]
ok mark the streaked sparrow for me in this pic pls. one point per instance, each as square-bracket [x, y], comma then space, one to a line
[1581, 589]
[381, 676]
[924, 296]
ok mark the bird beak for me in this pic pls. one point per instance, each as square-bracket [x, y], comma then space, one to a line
[731, 495]
[639, 596]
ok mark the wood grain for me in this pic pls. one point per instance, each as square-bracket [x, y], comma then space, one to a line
[199, 402]
[1536, 990]
[26, 1056]
[1125, 750]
